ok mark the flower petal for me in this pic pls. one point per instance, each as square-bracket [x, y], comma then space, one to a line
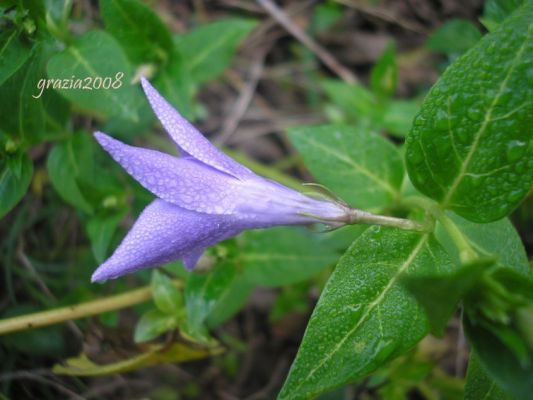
[188, 138]
[163, 233]
[184, 182]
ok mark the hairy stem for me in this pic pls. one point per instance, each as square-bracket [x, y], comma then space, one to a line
[90, 308]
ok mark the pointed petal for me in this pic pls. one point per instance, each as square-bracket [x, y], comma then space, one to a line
[187, 137]
[184, 182]
[190, 260]
[163, 233]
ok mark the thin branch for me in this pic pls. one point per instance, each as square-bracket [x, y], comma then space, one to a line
[90, 308]
[325, 56]
[245, 98]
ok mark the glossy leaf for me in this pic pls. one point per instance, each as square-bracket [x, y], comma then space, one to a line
[65, 164]
[16, 172]
[95, 55]
[470, 147]
[152, 324]
[167, 297]
[361, 167]
[282, 256]
[384, 74]
[13, 53]
[209, 49]
[495, 12]
[156, 354]
[440, 294]
[479, 385]
[498, 238]
[138, 29]
[365, 316]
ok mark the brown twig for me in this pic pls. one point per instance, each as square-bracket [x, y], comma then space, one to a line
[38, 378]
[325, 56]
[245, 97]
[383, 14]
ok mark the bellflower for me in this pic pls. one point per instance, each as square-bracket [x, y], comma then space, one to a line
[203, 197]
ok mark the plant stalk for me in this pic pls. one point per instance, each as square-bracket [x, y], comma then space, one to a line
[363, 217]
[90, 308]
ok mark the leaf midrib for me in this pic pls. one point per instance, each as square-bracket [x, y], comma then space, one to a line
[422, 241]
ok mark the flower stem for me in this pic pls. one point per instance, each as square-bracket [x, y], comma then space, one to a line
[90, 308]
[466, 253]
[363, 217]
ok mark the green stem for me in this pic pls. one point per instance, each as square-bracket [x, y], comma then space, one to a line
[466, 252]
[90, 308]
[363, 217]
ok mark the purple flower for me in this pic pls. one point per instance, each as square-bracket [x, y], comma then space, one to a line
[204, 197]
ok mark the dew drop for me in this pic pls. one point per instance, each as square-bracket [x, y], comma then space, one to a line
[515, 195]
[515, 150]
[474, 114]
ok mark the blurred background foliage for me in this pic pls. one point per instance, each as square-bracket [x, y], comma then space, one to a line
[245, 81]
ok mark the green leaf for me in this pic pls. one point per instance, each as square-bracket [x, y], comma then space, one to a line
[282, 256]
[454, 37]
[355, 100]
[365, 316]
[96, 55]
[152, 324]
[384, 74]
[15, 176]
[230, 301]
[440, 294]
[497, 347]
[498, 238]
[138, 29]
[100, 230]
[204, 290]
[470, 146]
[29, 113]
[359, 166]
[209, 49]
[167, 297]
[155, 354]
[495, 12]
[13, 53]
[65, 164]
[479, 385]
[175, 85]
[398, 116]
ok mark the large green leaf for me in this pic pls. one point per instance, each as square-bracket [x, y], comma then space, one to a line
[365, 316]
[26, 112]
[100, 230]
[67, 161]
[361, 167]
[498, 238]
[282, 256]
[209, 49]
[16, 172]
[138, 29]
[96, 55]
[479, 385]
[470, 146]
[13, 53]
